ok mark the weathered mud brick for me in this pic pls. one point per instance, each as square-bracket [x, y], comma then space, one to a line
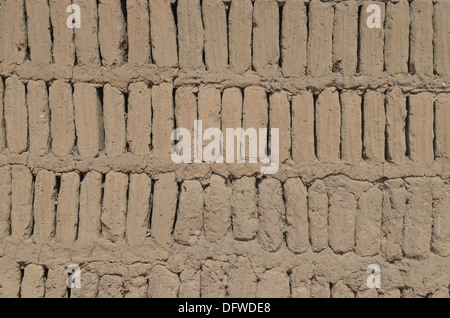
[341, 229]
[300, 280]
[2, 117]
[420, 128]
[217, 213]
[136, 288]
[138, 28]
[89, 286]
[14, 31]
[56, 283]
[396, 54]
[112, 32]
[139, 123]
[441, 38]
[5, 202]
[139, 196]
[371, 44]
[296, 200]
[216, 35]
[351, 129]
[214, 279]
[271, 215]
[63, 40]
[442, 123]
[209, 108]
[240, 35]
[294, 35]
[328, 126]
[110, 286]
[396, 125]
[10, 278]
[244, 209]
[21, 203]
[88, 120]
[274, 283]
[186, 111]
[86, 37]
[63, 118]
[163, 120]
[303, 139]
[190, 35]
[266, 42]
[242, 280]
[320, 38]
[89, 226]
[440, 242]
[162, 283]
[280, 118]
[67, 210]
[190, 280]
[38, 117]
[345, 38]
[318, 215]
[163, 33]
[421, 40]
[165, 201]
[374, 126]
[418, 219]
[255, 112]
[114, 121]
[231, 115]
[394, 207]
[33, 282]
[38, 22]
[340, 290]
[44, 206]
[368, 223]
[114, 208]
[188, 227]
[16, 115]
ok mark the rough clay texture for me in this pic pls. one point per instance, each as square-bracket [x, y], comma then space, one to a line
[86, 176]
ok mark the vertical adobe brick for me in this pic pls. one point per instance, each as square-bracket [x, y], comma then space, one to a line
[33, 282]
[21, 202]
[242, 279]
[16, 115]
[44, 206]
[5, 202]
[63, 118]
[442, 123]
[89, 226]
[271, 214]
[114, 207]
[396, 54]
[301, 281]
[38, 117]
[440, 242]
[86, 37]
[56, 283]
[318, 215]
[209, 108]
[216, 35]
[163, 120]
[10, 278]
[14, 31]
[2, 116]
[165, 200]
[232, 100]
[139, 121]
[186, 111]
[114, 121]
[190, 281]
[280, 118]
[441, 38]
[67, 210]
[320, 40]
[303, 139]
[112, 32]
[420, 128]
[217, 213]
[294, 35]
[88, 120]
[273, 283]
[351, 129]
[368, 223]
[266, 33]
[396, 125]
[63, 40]
[139, 196]
[162, 283]
[345, 38]
[213, 279]
[328, 126]
[341, 229]
[244, 209]
[421, 42]
[138, 29]
[374, 126]
[38, 23]
[188, 227]
[240, 35]
[190, 35]
[296, 199]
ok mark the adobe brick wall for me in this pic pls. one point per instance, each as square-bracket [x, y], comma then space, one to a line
[86, 175]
